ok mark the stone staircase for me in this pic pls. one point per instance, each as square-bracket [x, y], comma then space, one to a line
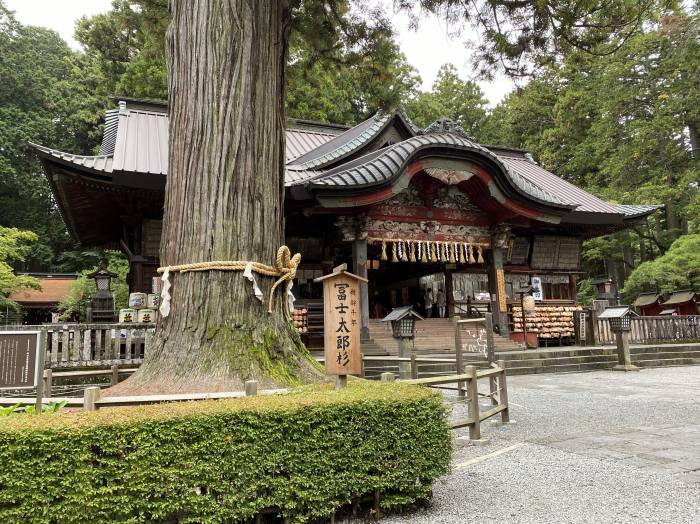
[577, 359]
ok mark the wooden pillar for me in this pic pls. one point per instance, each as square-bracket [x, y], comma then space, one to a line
[359, 266]
[623, 352]
[572, 287]
[449, 294]
[497, 290]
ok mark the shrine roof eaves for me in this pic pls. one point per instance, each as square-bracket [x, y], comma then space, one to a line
[350, 141]
[381, 166]
[98, 163]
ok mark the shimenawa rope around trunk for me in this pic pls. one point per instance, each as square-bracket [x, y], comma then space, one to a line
[285, 268]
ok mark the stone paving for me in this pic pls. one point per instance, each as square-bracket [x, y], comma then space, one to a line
[586, 447]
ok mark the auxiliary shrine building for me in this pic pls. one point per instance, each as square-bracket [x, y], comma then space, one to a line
[412, 209]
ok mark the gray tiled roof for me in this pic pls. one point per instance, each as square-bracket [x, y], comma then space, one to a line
[634, 211]
[345, 143]
[301, 141]
[564, 191]
[96, 162]
[380, 166]
[136, 140]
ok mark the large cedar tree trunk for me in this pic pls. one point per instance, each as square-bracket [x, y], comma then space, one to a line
[224, 201]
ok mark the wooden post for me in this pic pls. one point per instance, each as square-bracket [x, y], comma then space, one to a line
[48, 382]
[40, 372]
[251, 388]
[341, 381]
[473, 400]
[115, 374]
[490, 348]
[414, 364]
[404, 367]
[458, 354]
[387, 377]
[624, 361]
[493, 389]
[90, 396]
[503, 393]
[359, 266]
[496, 281]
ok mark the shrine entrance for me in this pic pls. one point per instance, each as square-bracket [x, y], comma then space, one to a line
[435, 289]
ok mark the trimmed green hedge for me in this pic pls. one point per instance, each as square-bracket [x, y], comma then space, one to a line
[305, 453]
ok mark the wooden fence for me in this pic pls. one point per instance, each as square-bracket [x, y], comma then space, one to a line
[91, 345]
[653, 330]
[468, 388]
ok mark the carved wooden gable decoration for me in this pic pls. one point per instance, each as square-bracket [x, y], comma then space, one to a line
[428, 209]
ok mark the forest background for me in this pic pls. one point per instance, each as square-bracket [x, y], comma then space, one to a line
[620, 121]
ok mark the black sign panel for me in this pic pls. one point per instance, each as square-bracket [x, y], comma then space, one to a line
[19, 359]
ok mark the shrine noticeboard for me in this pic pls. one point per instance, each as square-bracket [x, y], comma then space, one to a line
[341, 316]
[20, 359]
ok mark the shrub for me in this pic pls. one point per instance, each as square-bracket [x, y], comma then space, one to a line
[305, 454]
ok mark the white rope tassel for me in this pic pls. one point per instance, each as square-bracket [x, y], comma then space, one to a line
[248, 273]
[165, 293]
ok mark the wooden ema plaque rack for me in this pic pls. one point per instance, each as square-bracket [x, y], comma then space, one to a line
[341, 320]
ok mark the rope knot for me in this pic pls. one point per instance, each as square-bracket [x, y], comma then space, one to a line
[286, 266]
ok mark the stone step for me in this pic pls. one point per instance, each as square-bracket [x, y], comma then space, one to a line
[583, 359]
[559, 368]
[663, 362]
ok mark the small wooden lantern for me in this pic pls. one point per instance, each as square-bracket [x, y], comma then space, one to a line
[341, 320]
[403, 321]
[620, 318]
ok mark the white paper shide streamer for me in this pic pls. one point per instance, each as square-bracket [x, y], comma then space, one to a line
[165, 294]
[248, 273]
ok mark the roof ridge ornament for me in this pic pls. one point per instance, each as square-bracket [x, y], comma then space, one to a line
[446, 125]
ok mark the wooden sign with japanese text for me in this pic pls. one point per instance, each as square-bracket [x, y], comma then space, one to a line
[341, 312]
[20, 359]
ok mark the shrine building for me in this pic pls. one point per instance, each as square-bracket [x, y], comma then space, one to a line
[410, 209]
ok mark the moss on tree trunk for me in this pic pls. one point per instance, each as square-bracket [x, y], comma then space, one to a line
[224, 201]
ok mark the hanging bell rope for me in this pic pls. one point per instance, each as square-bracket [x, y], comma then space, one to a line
[285, 269]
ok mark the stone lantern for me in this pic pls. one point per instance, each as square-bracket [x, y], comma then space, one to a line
[101, 307]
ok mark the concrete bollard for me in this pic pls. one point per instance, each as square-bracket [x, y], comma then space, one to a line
[48, 382]
[90, 396]
[387, 377]
[115, 374]
[251, 388]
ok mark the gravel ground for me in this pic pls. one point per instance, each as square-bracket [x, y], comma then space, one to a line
[589, 447]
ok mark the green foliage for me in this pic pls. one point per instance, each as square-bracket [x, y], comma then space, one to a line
[305, 454]
[585, 292]
[678, 268]
[522, 37]
[9, 410]
[15, 245]
[451, 97]
[74, 305]
[51, 407]
[634, 145]
[34, 68]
